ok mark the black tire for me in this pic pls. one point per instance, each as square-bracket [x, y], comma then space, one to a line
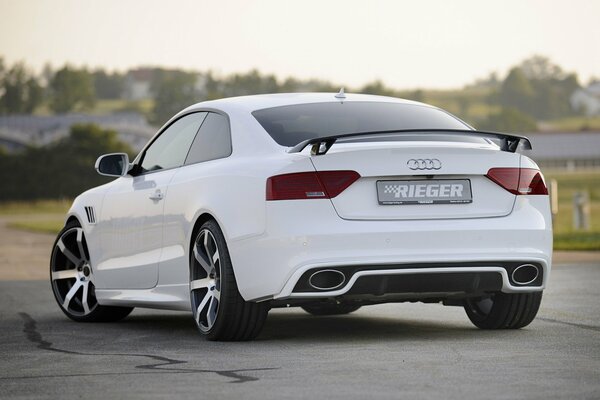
[330, 308]
[71, 275]
[504, 310]
[214, 291]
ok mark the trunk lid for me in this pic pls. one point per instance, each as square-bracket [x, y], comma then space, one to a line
[420, 175]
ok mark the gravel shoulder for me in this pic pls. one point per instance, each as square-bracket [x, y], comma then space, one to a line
[23, 255]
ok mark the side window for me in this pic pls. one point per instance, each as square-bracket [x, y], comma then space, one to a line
[171, 147]
[213, 140]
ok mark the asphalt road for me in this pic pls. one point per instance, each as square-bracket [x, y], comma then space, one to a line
[388, 351]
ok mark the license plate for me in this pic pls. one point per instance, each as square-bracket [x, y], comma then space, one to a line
[445, 191]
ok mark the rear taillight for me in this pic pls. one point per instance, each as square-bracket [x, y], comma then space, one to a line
[519, 181]
[309, 185]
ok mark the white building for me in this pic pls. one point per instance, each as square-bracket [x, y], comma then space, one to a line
[587, 99]
[138, 83]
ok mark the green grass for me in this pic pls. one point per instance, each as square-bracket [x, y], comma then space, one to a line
[35, 207]
[45, 216]
[565, 237]
[577, 241]
[480, 111]
[112, 106]
[574, 124]
[41, 226]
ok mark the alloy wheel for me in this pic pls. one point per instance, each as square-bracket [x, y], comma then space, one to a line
[205, 282]
[71, 273]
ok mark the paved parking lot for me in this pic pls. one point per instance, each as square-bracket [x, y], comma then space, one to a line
[388, 351]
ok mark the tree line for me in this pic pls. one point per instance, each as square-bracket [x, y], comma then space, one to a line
[64, 90]
[62, 169]
[534, 90]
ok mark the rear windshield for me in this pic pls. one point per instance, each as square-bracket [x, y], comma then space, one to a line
[289, 125]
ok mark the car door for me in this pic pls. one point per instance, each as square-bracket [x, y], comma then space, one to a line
[131, 218]
[193, 188]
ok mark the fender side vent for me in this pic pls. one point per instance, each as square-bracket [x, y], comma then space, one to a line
[91, 214]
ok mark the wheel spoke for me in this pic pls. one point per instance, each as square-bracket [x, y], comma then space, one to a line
[207, 297]
[205, 241]
[61, 245]
[215, 257]
[80, 244]
[65, 274]
[217, 294]
[84, 297]
[70, 294]
[211, 313]
[200, 283]
[204, 263]
[207, 248]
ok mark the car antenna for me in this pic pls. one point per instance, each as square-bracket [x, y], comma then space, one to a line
[341, 95]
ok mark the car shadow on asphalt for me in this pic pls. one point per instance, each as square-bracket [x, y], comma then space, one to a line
[301, 327]
[358, 327]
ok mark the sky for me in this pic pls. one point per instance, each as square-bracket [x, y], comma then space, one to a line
[406, 44]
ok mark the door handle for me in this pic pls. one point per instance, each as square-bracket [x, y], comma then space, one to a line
[156, 196]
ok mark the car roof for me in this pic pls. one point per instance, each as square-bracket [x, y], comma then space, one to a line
[261, 101]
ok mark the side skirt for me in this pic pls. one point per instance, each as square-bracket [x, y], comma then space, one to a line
[165, 297]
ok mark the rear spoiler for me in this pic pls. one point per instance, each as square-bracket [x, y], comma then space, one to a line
[321, 145]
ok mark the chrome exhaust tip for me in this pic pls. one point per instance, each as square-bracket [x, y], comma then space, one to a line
[327, 279]
[525, 274]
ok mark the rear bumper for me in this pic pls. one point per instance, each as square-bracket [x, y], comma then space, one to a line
[414, 278]
[305, 235]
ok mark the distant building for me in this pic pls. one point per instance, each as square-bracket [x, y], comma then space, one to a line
[18, 131]
[565, 151]
[138, 83]
[587, 100]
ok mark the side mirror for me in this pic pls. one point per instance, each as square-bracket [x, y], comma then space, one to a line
[115, 164]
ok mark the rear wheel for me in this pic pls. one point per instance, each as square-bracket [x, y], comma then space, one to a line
[219, 310]
[72, 279]
[503, 310]
[330, 309]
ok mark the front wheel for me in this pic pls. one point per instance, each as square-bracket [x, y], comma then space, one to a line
[72, 279]
[219, 310]
[503, 310]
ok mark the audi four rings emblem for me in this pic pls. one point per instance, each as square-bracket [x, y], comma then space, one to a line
[424, 163]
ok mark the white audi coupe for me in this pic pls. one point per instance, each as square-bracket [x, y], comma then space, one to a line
[324, 201]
